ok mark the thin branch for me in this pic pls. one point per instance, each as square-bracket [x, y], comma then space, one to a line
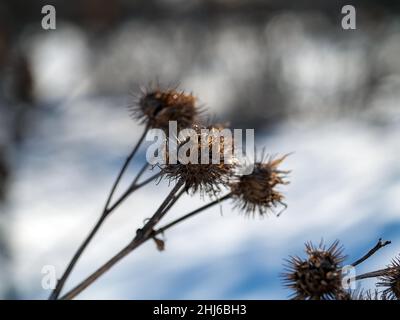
[378, 246]
[103, 269]
[140, 173]
[373, 274]
[106, 211]
[142, 235]
[167, 208]
[130, 190]
[125, 165]
[173, 196]
[191, 214]
[92, 233]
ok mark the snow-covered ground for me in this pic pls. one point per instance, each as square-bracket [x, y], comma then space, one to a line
[345, 184]
[345, 180]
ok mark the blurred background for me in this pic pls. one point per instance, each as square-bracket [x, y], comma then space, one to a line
[285, 68]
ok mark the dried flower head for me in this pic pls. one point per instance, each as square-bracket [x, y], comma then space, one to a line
[157, 107]
[208, 177]
[318, 276]
[258, 190]
[391, 280]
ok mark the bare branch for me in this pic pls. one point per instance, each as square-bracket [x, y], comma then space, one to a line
[372, 274]
[194, 212]
[378, 246]
[142, 235]
[106, 211]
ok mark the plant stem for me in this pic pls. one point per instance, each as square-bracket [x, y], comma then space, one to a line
[191, 214]
[136, 243]
[130, 190]
[140, 173]
[167, 208]
[103, 269]
[124, 166]
[173, 196]
[373, 274]
[142, 235]
[378, 246]
[106, 211]
[92, 233]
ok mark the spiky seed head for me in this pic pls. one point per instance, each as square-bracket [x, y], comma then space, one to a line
[208, 178]
[258, 191]
[157, 107]
[319, 276]
[391, 280]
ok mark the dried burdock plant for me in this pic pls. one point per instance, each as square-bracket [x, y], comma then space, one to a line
[156, 107]
[209, 171]
[318, 277]
[211, 167]
[258, 191]
[390, 280]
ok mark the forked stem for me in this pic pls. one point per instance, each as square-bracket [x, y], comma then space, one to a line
[142, 235]
[106, 211]
[371, 252]
[373, 274]
[191, 214]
